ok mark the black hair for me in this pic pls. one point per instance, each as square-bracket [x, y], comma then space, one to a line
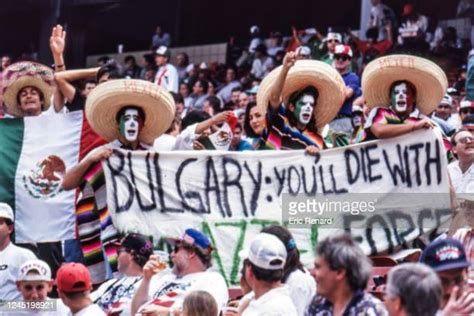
[261, 48]
[75, 295]
[236, 89]
[205, 258]
[247, 128]
[103, 59]
[373, 33]
[204, 84]
[128, 107]
[194, 117]
[130, 58]
[137, 258]
[410, 85]
[186, 58]
[111, 68]
[293, 262]
[178, 98]
[263, 274]
[311, 126]
[41, 95]
[453, 137]
[215, 103]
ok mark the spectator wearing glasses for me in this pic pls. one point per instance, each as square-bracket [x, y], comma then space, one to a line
[165, 292]
[461, 171]
[342, 124]
[448, 259]
[332, 40]
[413, 289]
[115, 295]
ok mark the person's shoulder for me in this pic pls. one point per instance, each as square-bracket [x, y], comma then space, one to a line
[453, 165]
[371, 305]
[21, 252]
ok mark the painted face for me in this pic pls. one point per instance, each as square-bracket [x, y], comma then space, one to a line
[357, 120]
[130, 124]
[304, 109]
[402, 98]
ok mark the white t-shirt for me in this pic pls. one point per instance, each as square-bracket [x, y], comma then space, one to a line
[185, 139]
[165, 142]
[91, 310]
[60, 310]
[11, 258]
[167, 78]
[168, 290]
[275, 302]
[117, 294]
[462, 182]
[302, 288]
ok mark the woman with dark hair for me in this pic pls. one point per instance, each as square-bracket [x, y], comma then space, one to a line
[254, 125]
[299, 281]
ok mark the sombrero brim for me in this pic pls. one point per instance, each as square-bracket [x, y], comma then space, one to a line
[320, 75]
[106, 100]
[11, 92]
[428, 78]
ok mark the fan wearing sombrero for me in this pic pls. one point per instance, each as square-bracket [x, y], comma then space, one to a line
[130, 114]
[402, 91]
[27, 89]
[301, 98]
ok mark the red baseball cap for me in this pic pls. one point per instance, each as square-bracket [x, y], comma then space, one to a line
[73, 277]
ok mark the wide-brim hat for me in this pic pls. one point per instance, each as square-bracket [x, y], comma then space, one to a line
[26, 74]
[428, 78]
[107, 99]
[320, 75]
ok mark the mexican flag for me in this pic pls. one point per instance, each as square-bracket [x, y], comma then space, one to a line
[35, 153]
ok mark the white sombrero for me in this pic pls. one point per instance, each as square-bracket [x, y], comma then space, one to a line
[320, 75]
[26, 74]
[427, 77]
[106, 100]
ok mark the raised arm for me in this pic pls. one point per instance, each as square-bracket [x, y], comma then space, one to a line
[64, 78]
[57, 43]
[275, 94]
[73, 177]
[216, 119]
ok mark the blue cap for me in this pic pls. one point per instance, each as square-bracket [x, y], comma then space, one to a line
[445, 254]
[193, 237]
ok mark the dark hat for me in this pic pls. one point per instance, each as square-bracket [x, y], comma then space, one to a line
[445, 254]
[138, 243]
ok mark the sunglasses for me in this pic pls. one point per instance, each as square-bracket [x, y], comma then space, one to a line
[465, 140]
[342, 57]
[333, 41]
[467, 111]
[30, 287]
[443, 106]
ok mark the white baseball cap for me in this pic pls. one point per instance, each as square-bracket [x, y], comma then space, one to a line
[266, 251]
[6, 211]
[447, 99]
[41, 269]
[303, 51]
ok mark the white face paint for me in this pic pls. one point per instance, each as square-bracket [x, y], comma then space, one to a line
[401, 97]
[130, 122]
[357, 120]
[304, 108]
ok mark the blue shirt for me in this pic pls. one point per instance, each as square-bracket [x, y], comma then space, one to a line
[352, 81]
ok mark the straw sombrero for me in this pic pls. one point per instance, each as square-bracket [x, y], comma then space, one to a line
[427, 77]
[305, 73]
[26, 74]
[105, 101]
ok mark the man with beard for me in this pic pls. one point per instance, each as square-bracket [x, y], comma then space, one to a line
[165, 292]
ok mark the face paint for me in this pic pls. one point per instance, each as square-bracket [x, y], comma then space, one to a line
[402, 98]
[304, 109]
[357, 120]
[130, 124]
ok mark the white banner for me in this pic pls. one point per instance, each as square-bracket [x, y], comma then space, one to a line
[231, 196]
